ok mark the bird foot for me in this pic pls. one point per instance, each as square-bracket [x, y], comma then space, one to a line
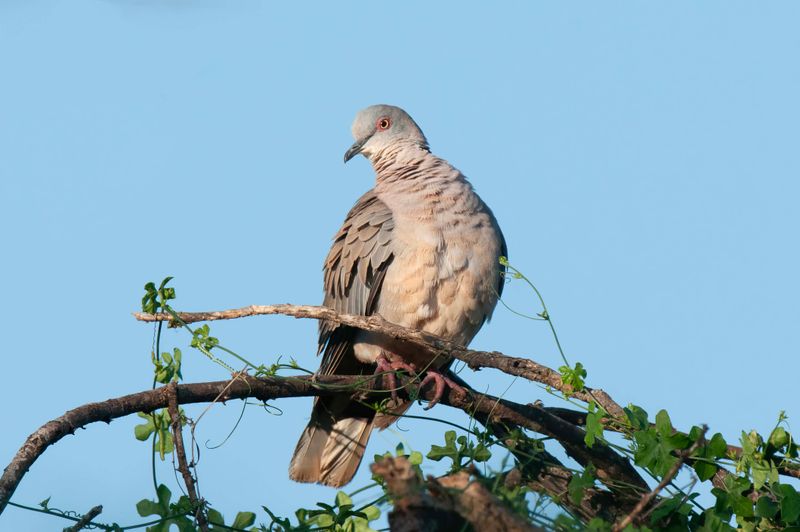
[440, 381]
[388, 368]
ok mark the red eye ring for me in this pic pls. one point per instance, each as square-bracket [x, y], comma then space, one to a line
[383, 123]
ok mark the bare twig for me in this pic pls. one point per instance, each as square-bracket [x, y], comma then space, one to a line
[180, 452]
[437, 346]
[85, 520]
[671, 473]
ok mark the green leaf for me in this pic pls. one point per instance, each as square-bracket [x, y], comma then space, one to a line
[763, 472]
[598, 525]
[244, 519]
[718, 447]
[676, 509]
[653, 451]
[713, 522]
[573, 377]
[663, 423]
[594, 425]
[706, 455]
[704, 470]
[143, 431]
[343, 499]
[146, 507]
[164, 495]
[578, 483]
[415, 458]
[790, 504]
[766, 507]
[449, 449]
[215, 518]
[779, 438]
[481, 453]
[637, 417]
[372, 513]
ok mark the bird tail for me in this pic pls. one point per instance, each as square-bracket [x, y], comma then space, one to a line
[332, 445]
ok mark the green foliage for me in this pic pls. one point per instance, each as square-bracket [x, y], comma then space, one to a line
[673, 513]
[172, 513]
[654, 446]
[574, 377]
[580, 482]
[241, 522]
[167, 368]
[341, 516]
[202, 340]
[458, 450]
[594, 425]
[155, 299]
[706, 456]
[158, 424]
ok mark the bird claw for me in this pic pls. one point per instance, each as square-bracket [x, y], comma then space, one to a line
[441, 381]
[388, 368]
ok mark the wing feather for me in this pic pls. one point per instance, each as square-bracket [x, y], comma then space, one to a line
[353, 273]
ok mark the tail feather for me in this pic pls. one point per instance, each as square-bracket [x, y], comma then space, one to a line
[331, 447]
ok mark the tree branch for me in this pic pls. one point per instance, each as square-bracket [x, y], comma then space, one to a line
[436, 504]
[437, 346]
[180, 453]
[612, 469]
[85, 520]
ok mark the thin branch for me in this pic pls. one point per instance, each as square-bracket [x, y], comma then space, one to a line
[85, 520]
[671, 474]
[436, 345]
[180, 453]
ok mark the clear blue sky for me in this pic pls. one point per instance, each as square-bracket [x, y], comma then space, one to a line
[642, 159]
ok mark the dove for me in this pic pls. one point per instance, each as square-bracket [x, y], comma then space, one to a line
[421, 249]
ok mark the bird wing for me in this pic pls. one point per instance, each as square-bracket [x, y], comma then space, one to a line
[354, 271]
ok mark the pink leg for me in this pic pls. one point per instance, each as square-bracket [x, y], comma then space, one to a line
[440, 382]
[389, 368]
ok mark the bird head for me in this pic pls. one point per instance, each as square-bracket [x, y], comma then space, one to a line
[379, 127]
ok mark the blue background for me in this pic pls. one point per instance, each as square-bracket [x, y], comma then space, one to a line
[642, 160]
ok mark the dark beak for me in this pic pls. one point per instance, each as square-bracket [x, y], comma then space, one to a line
[354, 150]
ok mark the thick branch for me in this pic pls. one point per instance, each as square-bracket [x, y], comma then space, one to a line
[52, 431]
[436, 504]
[545, 474]
[476, 504]
[437, 346]
[413, 509]
[612, 468]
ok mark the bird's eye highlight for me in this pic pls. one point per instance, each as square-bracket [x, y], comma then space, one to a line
[384, 123]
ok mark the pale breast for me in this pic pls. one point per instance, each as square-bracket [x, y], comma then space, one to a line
[445, 272]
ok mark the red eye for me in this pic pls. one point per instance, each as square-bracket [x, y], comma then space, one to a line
[383, 123]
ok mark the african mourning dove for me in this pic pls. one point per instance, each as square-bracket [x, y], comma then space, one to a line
[421, 249]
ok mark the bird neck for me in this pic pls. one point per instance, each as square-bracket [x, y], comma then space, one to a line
[408, 162]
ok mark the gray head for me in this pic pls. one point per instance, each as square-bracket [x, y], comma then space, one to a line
[381, 126]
